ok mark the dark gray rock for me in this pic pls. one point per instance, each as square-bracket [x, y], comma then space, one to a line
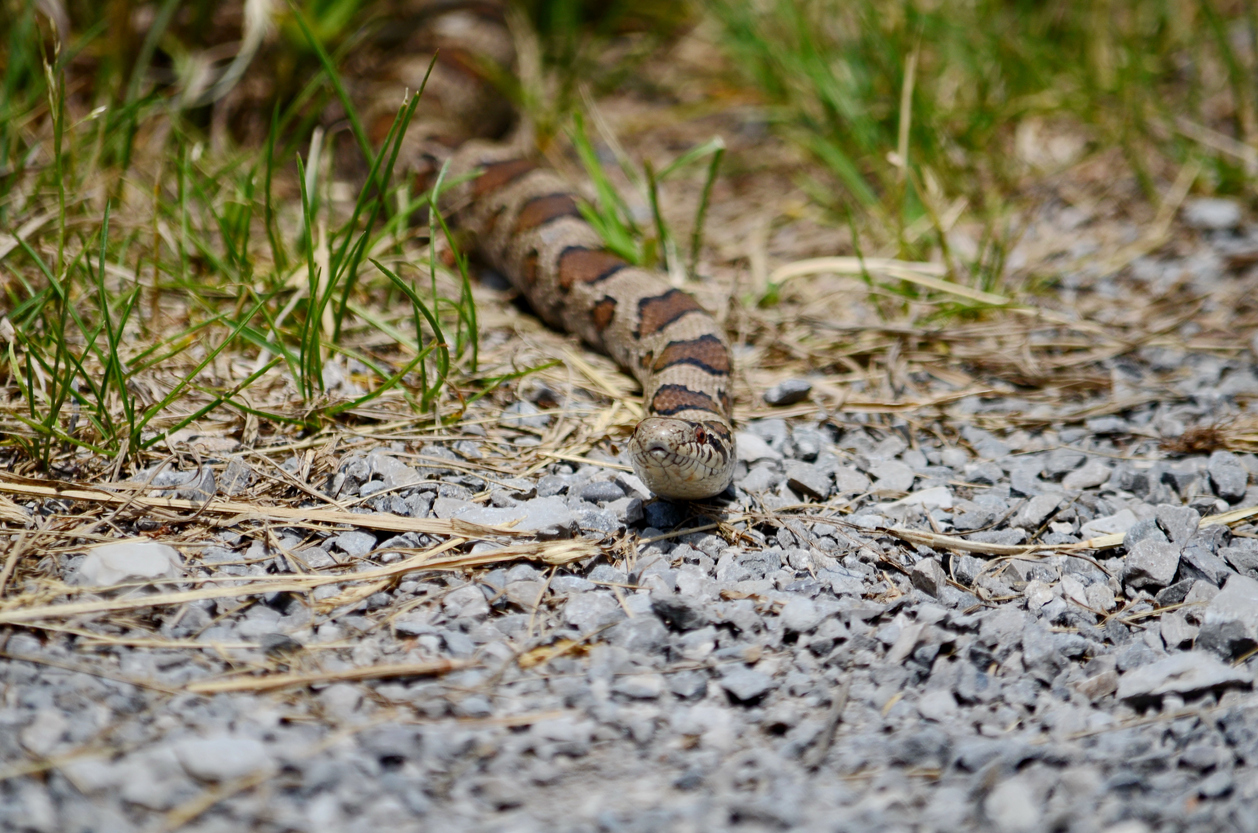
[679, 612]
[928, 576]
[1178, 522]
[1181, 478]
[663, 514]
[1198, 561]
[788, 392]
[808, 480]
[1242, 556]
[601, 491]
[984, 474]
[1230, 625]
[1228, 477]
[1061, 462]
[1150, 564]
[1175, 593]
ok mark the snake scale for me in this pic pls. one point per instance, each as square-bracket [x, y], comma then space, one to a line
[526, 223]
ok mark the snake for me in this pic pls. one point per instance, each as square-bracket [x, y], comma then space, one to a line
[525, 221]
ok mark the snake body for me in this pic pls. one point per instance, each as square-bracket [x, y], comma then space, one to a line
[527, 224]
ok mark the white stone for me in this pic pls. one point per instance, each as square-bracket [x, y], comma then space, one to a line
[224, 758]
[1037, 594]
[45, 733]
[1013, 806]
[936, 497]
[938, 705]
[1072, 590]
[1182, 673]
[800, 615]
[751, 448]
[1110, 524]
[121, 561]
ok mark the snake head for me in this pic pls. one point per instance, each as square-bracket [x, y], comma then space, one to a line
[683, 459]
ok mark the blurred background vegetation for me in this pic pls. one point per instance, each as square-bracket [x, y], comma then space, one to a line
[152, 215]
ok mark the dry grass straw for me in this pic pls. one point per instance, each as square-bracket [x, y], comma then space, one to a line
[1101, 542]
[550, 552]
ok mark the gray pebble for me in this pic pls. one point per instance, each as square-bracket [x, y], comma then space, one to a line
[1061, 462]
[679, 612]
[745, 684]
[644, 635]
[640, 686]
[808, 480]
[688, 685]
[526, 415]
[848, 481]
[1093, 473]
[800, 615]
[774, 431]
[551, 485]
[626, 511]
[601, 491]
[1178, 522]
[589, 611]
[1185, 673]
[237, 477]
[928, 576]
[891, 476]
[355, 543]
[1035, 512]
[984, 474]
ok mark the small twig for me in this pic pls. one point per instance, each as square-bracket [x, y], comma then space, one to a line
[372, 672]
[825, 739]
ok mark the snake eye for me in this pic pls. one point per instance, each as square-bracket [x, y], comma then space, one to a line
[701, 436]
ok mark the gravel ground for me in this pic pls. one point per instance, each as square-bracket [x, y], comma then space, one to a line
[805, 664]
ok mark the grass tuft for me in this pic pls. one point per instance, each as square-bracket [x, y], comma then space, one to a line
[157, 275]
